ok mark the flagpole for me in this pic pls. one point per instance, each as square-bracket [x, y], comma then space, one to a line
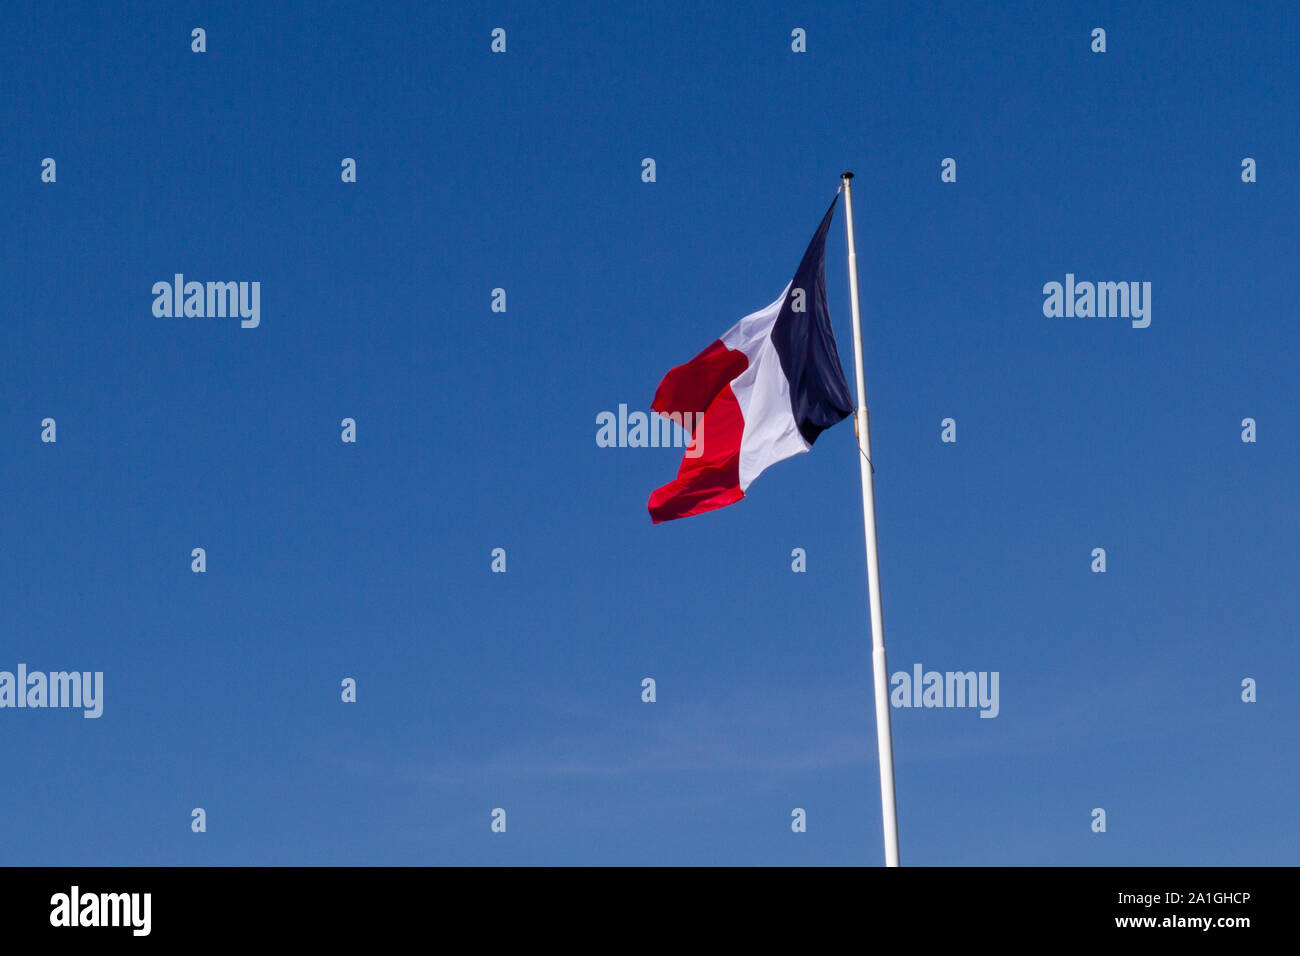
[884, 734]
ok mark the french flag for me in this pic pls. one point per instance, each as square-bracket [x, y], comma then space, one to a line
[766, 390]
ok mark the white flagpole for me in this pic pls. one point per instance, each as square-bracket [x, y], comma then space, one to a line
[884, 735]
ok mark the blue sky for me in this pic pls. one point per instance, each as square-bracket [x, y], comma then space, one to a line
[476, 430]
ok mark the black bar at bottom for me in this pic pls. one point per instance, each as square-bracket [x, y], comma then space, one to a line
[614, 907]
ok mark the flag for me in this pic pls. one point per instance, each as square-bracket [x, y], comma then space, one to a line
[761, 393]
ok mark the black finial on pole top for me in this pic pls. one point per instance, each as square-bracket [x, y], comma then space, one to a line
[846, 175]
